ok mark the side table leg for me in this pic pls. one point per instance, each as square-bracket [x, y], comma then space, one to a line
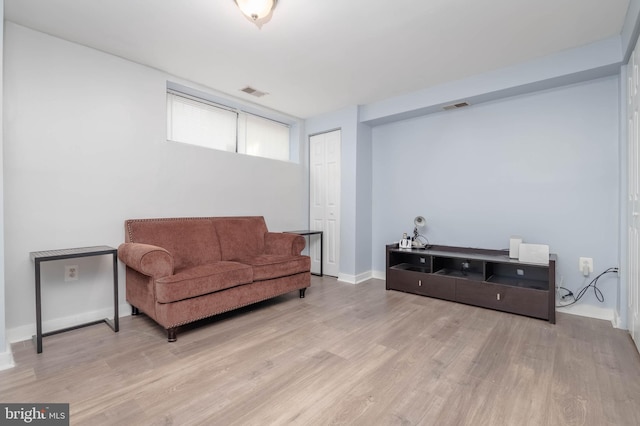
[38, 309]
[116, 320]
[321, 252]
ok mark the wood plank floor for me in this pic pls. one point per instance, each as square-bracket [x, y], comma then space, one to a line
[356, 355]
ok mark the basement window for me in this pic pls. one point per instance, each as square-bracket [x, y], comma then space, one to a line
[208, 124]
[264, 137]
[200, 123]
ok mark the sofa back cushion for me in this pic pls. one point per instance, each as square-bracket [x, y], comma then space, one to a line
[191, 241]
[240, 237]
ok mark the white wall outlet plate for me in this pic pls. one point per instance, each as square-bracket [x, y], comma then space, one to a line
[585, 265]
[71, 272]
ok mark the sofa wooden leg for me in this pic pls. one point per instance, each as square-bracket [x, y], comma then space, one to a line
[134, 310]
[171, 335]
[302, 290]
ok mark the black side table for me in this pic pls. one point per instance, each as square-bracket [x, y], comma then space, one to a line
[44, 256]
[308, 232]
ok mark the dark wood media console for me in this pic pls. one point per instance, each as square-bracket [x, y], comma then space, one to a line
[480, 277]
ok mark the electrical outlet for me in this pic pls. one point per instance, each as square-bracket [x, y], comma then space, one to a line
[520, 272]
[71, 272]
[585, 265]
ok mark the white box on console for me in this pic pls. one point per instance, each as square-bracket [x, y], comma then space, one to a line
[514, 247]
[534, 253]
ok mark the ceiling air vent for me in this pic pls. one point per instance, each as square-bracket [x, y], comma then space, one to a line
[253, 92]
[454, 106]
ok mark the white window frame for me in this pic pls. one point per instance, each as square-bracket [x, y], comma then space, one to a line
[242, 118]
[205, 137]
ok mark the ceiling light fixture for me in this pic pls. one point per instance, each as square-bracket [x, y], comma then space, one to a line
[257, 11]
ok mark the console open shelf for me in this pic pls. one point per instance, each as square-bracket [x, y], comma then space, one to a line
[480, 277]
[471, 275]
[412, 267]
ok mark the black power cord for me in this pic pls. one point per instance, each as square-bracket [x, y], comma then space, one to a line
[569, 292]
[593, 284]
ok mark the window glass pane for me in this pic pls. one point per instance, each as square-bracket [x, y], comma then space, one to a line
[266, 138]
[199, 123]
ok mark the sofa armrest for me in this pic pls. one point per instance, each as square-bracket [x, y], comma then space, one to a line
[147, 259]
[283, 243]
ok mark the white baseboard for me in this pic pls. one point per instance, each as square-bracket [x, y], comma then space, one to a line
[617, 321]
[25, 332]
[6, 358]
[344, 278]
[379, 275]
[365, 276]
[355, 279]
[591, 312]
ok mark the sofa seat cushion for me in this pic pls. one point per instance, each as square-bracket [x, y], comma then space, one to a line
[268, 266]
[202, 279]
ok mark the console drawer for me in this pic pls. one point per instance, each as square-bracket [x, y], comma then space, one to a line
[423, 284]
[525, 301]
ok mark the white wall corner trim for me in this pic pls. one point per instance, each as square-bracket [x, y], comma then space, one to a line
[346, 278]
[355, 279]
[379, 275]
[6, 359]
[617, 321]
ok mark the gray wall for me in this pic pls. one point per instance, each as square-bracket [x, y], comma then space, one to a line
[544, 166]
[85, 148]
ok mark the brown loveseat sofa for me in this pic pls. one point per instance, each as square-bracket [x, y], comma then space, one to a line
[180, 270]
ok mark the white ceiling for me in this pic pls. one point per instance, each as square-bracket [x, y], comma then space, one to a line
[317, 56]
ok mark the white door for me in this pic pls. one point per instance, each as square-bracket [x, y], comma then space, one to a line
[324, 200]
[633, 197]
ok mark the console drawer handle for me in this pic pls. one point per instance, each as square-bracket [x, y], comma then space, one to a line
[498, 296]
[419, 283]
